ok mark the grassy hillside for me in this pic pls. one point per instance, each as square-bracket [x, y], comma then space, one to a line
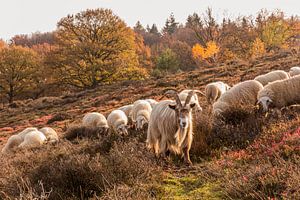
[256, 158]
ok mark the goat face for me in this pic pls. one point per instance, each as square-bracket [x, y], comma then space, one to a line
[183, 114]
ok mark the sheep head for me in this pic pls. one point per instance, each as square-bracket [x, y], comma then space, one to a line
[264, 103]
[122, 129]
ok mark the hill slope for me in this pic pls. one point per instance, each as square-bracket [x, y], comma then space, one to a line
[240, 168]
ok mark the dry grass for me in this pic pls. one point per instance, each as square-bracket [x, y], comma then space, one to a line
[243, 156]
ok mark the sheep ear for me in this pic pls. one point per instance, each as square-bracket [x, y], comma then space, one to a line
[172, 106]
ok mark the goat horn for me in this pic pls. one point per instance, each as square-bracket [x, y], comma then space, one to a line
[189, 97]
[175, 95]
[199, 92]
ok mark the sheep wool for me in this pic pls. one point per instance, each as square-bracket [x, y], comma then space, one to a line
[294, 71]
[214, 90]
[241, 94]
[272, 76]
[50, 134]
[33, 139]
[13, 142]
[117, 122]
[281, 93]
[94, 119]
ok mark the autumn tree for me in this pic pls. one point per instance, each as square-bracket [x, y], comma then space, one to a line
[93, 46]
[17, 68]
[206, 53]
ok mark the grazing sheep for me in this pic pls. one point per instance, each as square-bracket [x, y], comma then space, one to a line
[214, 90]
[241, 94]
[194, 99]
[141, 113]
[117, 122]
[50, 134]
[32, 139]
[294, 71]
[272, 76]
[127, 110]
[171, 126]
[152, 102]
[280, 94]
[13, 142]
[95, 119]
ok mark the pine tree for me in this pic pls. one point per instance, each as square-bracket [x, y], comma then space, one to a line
[171, 25]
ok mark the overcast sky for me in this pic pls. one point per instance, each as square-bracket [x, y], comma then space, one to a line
[28, 16]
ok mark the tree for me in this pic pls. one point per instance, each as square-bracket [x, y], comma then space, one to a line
[33, 39]
[184, 55]
[171, 25]
[275, 33]
[138, 28]
[93, 46]
[167, 61]
[17, 68]
[257, 48]
[154, 30]
[202, 53]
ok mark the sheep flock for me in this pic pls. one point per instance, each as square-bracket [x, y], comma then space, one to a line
[169, 122]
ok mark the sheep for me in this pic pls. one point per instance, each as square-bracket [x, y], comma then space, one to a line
[294, 71]
[25, 131]
[214, 90]
[241, 94]
[32, 139]
[141, 113]
[50, 134]
[16, 140]
[95, 119]
[13, 142]
[194, 99]
[152, 102]
[171, 126]
[127, 110]
[272, 76]
[280, 94]
[117, 122]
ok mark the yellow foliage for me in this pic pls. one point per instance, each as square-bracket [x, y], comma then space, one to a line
[257, 48]
[202, 53]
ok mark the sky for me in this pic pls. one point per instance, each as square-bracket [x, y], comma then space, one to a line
[28, 16]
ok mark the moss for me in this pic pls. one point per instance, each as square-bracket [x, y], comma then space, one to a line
[179, 188]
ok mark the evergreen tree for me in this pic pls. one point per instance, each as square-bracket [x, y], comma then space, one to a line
[171, 25]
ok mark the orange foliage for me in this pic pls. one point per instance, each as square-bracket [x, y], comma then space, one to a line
[257, 48]
[202, 53]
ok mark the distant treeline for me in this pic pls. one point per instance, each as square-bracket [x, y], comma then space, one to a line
[96, 47]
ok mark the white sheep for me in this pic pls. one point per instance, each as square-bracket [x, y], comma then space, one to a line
[95, 119]
[171, 126]
[141, 113]
[294, 71]
[152, 102]
[33, 139]
[50, 134]
[272, 76]
[214, 90]
[184, 94]
[25, 131]
[13, 142]
[241, 94]
[127, 110]
[117, 122]
[280, 94]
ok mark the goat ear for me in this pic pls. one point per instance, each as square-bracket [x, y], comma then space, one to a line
[172, 106]
[192, 105]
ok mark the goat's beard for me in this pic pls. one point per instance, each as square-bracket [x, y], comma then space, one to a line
[180, 135]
